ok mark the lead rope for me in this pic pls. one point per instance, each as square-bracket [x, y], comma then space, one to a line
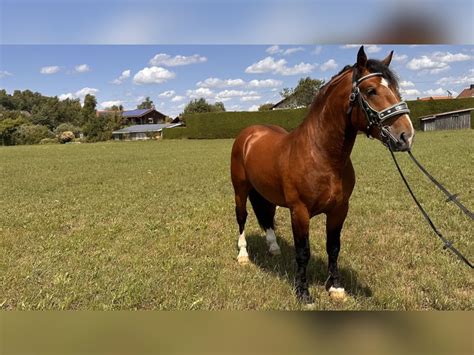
[451, 197]
[447, 243]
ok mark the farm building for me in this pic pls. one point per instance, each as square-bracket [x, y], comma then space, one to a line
[469, 92]
[143, 116]
[142, 131]
[447, 120]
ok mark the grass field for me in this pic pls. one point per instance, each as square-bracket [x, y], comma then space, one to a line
[150, 225]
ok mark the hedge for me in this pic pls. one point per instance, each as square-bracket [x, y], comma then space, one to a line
[229, 124]
[175, 133]
[423, 108]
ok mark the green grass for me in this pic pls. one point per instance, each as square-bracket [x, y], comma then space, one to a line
[150, 225]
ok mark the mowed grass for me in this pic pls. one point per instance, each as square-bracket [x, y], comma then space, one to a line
[150, 225]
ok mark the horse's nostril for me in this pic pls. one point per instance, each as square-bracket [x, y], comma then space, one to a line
[403, 138]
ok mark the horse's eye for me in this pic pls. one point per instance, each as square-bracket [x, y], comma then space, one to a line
[371, 92]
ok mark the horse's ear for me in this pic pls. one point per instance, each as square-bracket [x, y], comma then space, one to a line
[361, 58]
[388, 59]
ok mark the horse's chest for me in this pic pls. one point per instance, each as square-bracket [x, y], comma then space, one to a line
[325, 194]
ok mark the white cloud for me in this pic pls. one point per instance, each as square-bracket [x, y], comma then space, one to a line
[153, 75]
[267, 83]
[177, 98]
[406, 84]
[274, 50]
[69, 95]
[169, 61]
[329, 65]
[436, 62]
[228, 94]
[86, 91]
[448, 57]
[270, 65]
[253, 108]
[201, 92]
[108, 104]
[167, 94]
[220, 83]
[399, 57]
[4, 73]
[436, 92]
[53, 69]
[125, 75]
[457, 80]
[293, 50]
[427, 64]
[225, 83]
[250, 98]
[82, 68]
[79, 94]
[409, 92]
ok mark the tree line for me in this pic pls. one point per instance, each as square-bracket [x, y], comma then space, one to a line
[28, 117]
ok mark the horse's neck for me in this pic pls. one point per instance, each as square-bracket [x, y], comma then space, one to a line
[327, 131]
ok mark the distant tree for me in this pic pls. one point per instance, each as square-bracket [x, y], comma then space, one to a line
[265, 107]
[218, 107]
[201, 105]
[304, 93]
[146, 104]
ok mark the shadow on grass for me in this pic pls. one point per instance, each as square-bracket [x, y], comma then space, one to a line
[284, 265]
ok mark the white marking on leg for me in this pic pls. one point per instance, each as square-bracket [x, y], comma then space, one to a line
[337, 293]
[273, 247]
[243, 257]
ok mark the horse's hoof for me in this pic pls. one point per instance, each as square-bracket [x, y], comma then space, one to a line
[275, 251]
[304, 297]
[337, 293]
[243, 260]
[310, 306]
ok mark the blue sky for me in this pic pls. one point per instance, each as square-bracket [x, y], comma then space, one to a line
[242, 76]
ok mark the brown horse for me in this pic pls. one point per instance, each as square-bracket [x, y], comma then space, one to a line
[309, 170]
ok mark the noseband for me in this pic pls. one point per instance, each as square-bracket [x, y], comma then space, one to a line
[375, 118]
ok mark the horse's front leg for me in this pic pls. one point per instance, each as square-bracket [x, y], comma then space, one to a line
[300, 226]
[334, 223]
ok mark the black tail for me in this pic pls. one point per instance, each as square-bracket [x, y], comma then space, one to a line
[264, 210]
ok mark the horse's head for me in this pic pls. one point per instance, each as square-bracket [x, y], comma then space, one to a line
[376, 105]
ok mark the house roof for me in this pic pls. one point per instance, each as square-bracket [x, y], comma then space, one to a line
[144, 128]
[435, 98]
[469, 92]
[428, 117]
[137, 113]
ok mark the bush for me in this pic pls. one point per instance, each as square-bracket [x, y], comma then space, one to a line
[64, 127]
[175, 133]
[229, 124]
[31, 134]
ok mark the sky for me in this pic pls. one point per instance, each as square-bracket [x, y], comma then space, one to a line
[241, 76]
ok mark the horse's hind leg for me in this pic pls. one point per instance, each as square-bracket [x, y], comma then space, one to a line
[241, 193]
[265, 212]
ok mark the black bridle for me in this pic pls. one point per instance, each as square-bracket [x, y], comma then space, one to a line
[376, 118]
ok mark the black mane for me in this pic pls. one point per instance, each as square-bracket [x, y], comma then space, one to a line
[374, 66]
